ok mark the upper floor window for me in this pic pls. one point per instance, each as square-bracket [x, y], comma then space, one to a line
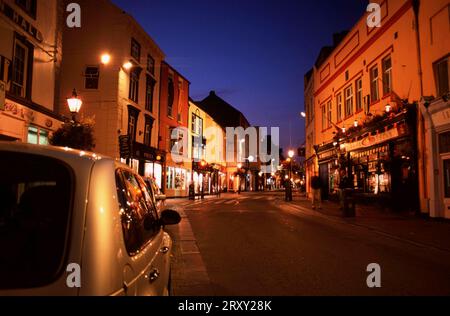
[374, 93]
[170, 97]
[134, 85]
[197, 124]
[387, 75]
[324, 117]
[329, 107]
[148, 130]
[359, 94]
[133, 114]
[441, 75]
[21, 69]
[348, 101]
[29, 6]
[91, 75]
[339, 107]
[150, 64]
[135, 49]
[149, 88]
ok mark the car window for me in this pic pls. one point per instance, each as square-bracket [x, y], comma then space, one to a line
[138, 216]
[35, 207]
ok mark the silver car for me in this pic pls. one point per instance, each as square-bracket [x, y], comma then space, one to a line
[75, 223]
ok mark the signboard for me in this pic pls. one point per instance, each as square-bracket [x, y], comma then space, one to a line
[125, 146]
[372, 140]
[20, 21]
[2, 95]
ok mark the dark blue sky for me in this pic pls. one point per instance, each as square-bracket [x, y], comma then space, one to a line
[253, 53]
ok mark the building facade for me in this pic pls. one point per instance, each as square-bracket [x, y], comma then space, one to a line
[116, 72]
[434, 31]
[30, 61]
[174, 114]
[310, 156]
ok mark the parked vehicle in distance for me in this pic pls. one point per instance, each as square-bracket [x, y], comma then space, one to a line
[62, 208]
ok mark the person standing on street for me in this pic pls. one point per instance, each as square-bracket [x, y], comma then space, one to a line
[316, 187]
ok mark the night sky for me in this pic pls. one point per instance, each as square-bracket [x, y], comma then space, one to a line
[252, 53]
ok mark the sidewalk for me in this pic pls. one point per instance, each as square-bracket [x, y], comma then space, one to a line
[420, 231]
[189, 275]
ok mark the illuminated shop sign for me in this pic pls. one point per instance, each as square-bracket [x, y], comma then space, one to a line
[372, 140]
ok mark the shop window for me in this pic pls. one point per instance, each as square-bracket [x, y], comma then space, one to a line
[374, 93]
[176, 178]
[387, 75]
[37, 136]
[442, 77]
[339, 107]
[349, 101]
[444, 143]
[359, 95]
[91, 77]
[447, 178]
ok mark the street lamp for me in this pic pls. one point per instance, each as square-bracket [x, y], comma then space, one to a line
[291, 155]
[303, 114]
[74, 104]
[105, 58]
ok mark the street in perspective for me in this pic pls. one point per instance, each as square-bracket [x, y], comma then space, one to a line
[224, 149]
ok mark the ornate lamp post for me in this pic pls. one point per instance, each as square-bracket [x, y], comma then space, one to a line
[74, 104]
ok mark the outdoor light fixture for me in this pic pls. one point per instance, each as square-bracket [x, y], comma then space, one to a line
[105, 58]
[74, 104]
[251, 158]
[203, 163]
[291, 153]
[388, 108]
[355, 123]
[127, 65]
[239, 165]
[286, 177]
[302, 114]
[343, 130]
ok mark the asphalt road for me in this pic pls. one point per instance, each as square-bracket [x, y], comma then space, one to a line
[257, 244]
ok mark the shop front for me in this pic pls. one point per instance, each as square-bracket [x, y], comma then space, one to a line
[382, 164]
[327, 156]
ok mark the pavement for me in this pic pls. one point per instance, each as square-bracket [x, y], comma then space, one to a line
[259, 244]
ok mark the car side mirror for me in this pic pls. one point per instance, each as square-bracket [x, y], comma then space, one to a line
[169, 217]
[160, 197]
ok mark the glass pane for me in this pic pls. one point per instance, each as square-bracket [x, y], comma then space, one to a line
[34, 218]
[447, 178]
[32, 135]
[444, 143]
[43, 137]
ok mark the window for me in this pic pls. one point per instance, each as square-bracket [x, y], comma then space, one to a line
[137, 211]
[133, 114]
[444, 143]
[359, 95]
[442, 77]
[324, 117]
[374, 96]
[36, 194]
[447, 178]
[176, 141]
[176, 178]
[197, 124]
[29, 6]
[387, 75]
[329, 106]
[135, 49]
[180, 100]
[91, 75]
[37, 136]
[150, 64]
[170, 97]
[149, 88]
[148, 130]
[339, 107]
[134, 85]
[21, 69]
[348, 101]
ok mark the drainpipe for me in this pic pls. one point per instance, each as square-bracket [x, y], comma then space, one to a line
[427, 173]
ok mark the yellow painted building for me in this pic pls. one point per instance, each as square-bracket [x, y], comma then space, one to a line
[368, 123]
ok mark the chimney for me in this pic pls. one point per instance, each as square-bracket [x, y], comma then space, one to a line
[212, 93]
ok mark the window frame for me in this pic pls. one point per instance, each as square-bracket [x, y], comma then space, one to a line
[148, 127]
[374, 86]
[437, 80]
[150, 65]
[133, 93]
[93, 77]
[135, 45]
[149, 92]
[31, 10]
[358, 95]
[330, 113]
[348, 101]
[339, 107]
[27, 74]
[387, 75]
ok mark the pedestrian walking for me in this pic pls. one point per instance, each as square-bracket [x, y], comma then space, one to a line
[316, 186]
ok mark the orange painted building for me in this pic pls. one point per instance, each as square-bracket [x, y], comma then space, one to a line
[368, 124]
[174, 111]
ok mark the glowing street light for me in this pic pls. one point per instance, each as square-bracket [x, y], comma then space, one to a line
[388, 108]
[302, 114]
[74, 104]
[291, 153]
[239, 165]
[127, 65]
[105, 58]
[355, 123]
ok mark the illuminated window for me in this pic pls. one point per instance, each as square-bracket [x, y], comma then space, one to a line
[37, 136]
[387, 75]
[374, 93]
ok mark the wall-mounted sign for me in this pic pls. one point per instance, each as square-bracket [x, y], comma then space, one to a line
[376, 139]
[20, 21]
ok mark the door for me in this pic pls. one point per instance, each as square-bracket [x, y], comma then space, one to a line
[446, 183]
[144, 238]
[324, 179]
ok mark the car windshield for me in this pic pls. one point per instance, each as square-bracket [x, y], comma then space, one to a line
[35, 195]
